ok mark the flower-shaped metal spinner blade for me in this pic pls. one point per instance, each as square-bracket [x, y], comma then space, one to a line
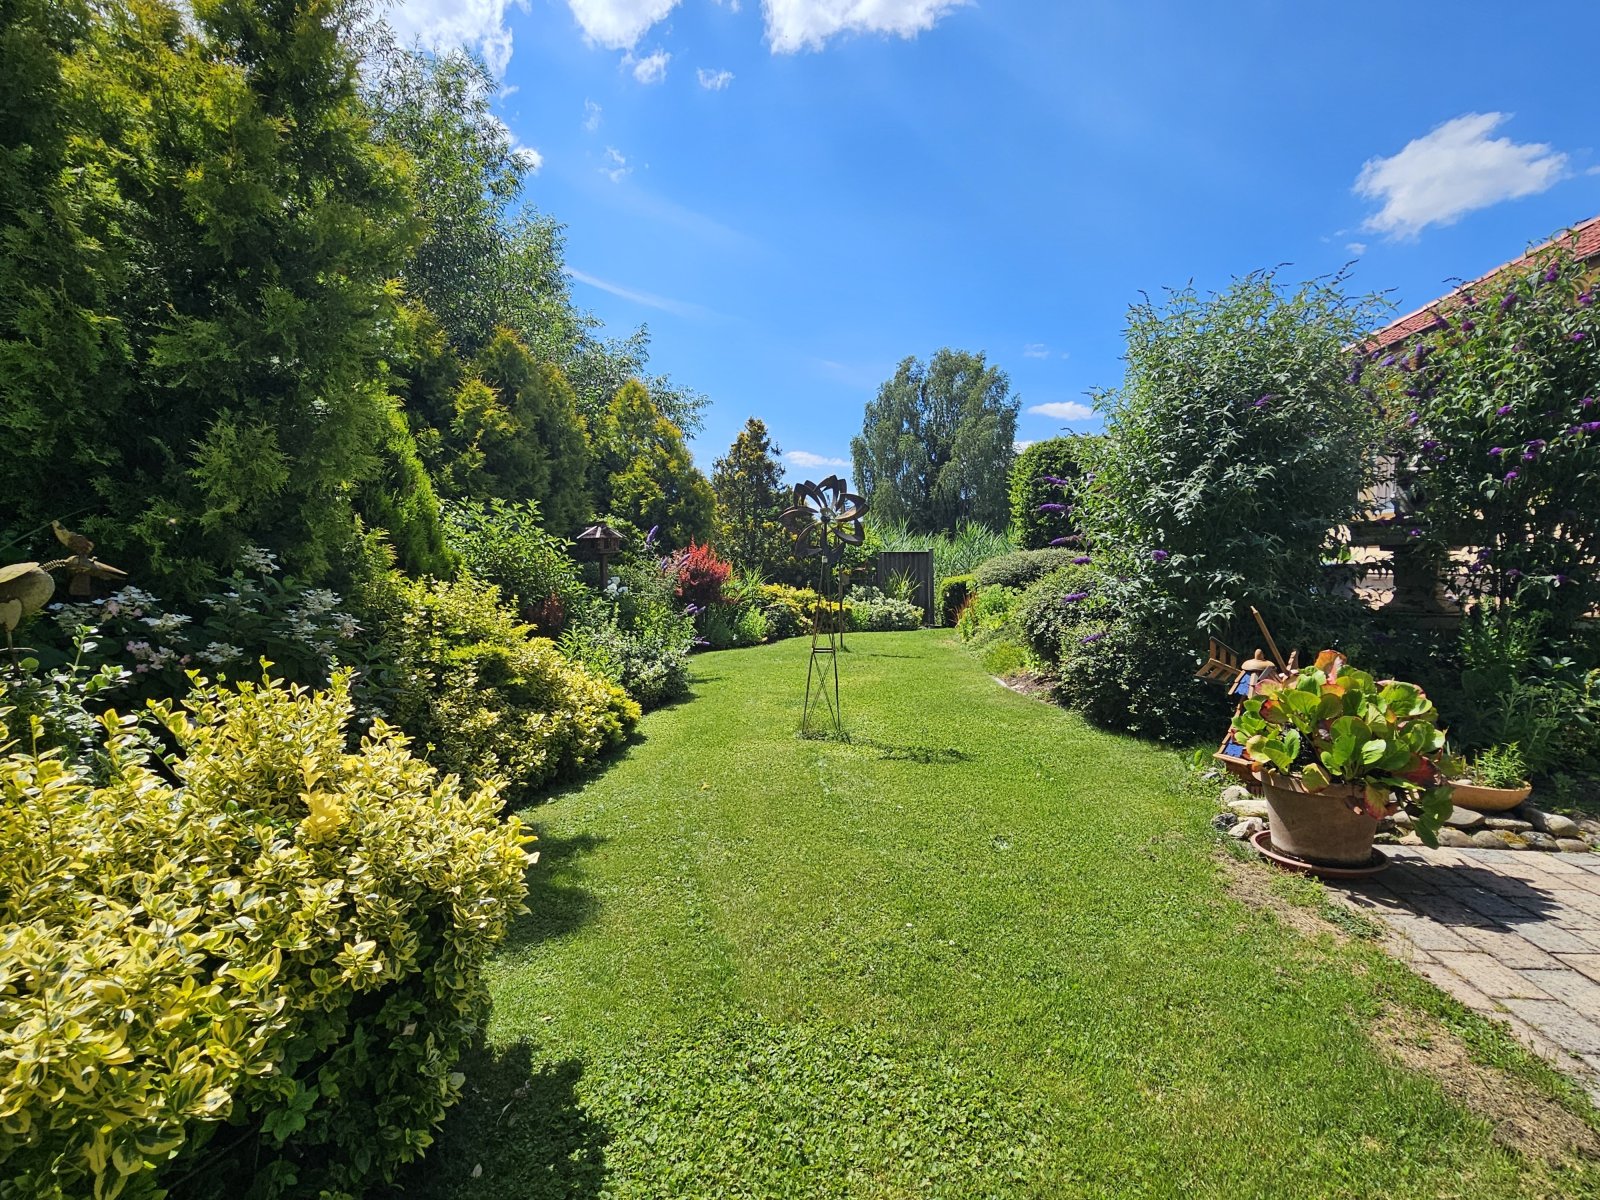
[824, 519]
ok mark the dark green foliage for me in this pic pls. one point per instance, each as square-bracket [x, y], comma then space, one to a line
[936, 444]
[748, 482]
[515, 434]
[1142, 682]
[951, 595]
[1019, 569]
[645, 474]
[506, 544]
[1060, 607]
[240, 297]
[1233, 449]
[400, 501]
[1060, 458]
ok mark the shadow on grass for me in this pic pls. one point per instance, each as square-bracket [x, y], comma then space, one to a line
[894, 751]
[558, 906]
[519, 1133]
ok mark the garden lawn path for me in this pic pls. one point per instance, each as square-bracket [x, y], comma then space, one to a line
[980, 950]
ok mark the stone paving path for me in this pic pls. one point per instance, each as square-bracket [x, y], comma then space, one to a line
[1514, 935]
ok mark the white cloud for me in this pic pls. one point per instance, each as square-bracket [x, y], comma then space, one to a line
[804, 458]
[1019, 446]
[1455, 169]
[1593, 171]
[446, 24]
[530, 159]
[795, 25]
[619, 24]
[714, 81]
[1036, 350]
[616, 168]
[591, 116]
[681, 308]
[650, 69]
[1356, 248]
[1064, 410]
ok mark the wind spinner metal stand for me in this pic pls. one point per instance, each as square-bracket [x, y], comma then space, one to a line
[824, 519]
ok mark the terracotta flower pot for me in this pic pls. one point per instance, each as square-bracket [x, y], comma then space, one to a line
[1488, 799]
[1320, 827]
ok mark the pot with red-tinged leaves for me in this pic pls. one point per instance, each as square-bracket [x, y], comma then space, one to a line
[1321, 827]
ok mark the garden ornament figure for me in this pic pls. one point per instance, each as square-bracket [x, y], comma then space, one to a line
[824, 519]
[82, 566]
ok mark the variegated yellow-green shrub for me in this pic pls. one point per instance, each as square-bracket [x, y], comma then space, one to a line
[484, 697]
[249, 969]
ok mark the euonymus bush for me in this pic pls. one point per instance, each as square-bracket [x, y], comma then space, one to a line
[248, 970]
[484, 697]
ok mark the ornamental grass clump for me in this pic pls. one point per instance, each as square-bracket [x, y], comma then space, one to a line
[1329, 724]
[247, 969]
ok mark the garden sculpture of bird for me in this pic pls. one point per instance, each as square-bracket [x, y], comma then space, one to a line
[81, 565]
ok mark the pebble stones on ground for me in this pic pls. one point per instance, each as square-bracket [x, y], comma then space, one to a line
[1523, 828]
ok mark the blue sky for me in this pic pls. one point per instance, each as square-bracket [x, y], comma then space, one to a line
[794, 195]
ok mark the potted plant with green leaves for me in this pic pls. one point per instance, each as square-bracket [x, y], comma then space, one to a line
[1496, 779]
[1336, 750]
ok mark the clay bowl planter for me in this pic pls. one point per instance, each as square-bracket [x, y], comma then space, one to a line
[1318, 827]
[1488, 799]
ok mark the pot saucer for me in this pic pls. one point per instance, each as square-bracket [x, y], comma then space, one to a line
[1263, 843]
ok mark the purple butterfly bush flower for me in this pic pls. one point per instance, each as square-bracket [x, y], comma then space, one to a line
[1511, 476]
[1081, 560]
[1091, 639]
[1508, 302]
[1553, 274]
[1388, 362]
[1586, 402]
[1430, 444]
[1468, 324]
[1074, 597]
[1159, 555]
[1054, 480]
[1412, 419]
[1413, 532]
[1496, 451]
[1064, 541]
[1560, 579]
[1578, 337]
[1502, 410]
[1586, 298]
[1469, 301]
[1513, 573]
[1051, 508]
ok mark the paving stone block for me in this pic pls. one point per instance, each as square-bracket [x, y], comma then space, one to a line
[1494, 979]
[1509, 948]
[1559, 1023]
[1572, 988]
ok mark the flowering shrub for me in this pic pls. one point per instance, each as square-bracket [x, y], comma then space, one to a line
[791, 611]
[1497, 408]
[873, 612]
[1043, 483]
[271, 965]
[633, 633]
[258, 614]
[700, 576]
[1063, 607]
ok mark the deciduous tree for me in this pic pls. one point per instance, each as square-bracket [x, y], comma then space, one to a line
[936, 444]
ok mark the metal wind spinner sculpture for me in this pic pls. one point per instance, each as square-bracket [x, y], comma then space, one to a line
[824, 519]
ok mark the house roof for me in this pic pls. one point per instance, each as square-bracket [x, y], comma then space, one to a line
[1587, 235]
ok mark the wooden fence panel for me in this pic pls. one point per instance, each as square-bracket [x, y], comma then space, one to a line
[918, 564]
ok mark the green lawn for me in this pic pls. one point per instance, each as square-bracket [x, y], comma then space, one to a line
[981, 950]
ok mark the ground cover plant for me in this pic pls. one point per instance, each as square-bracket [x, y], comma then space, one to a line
[925, 961]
